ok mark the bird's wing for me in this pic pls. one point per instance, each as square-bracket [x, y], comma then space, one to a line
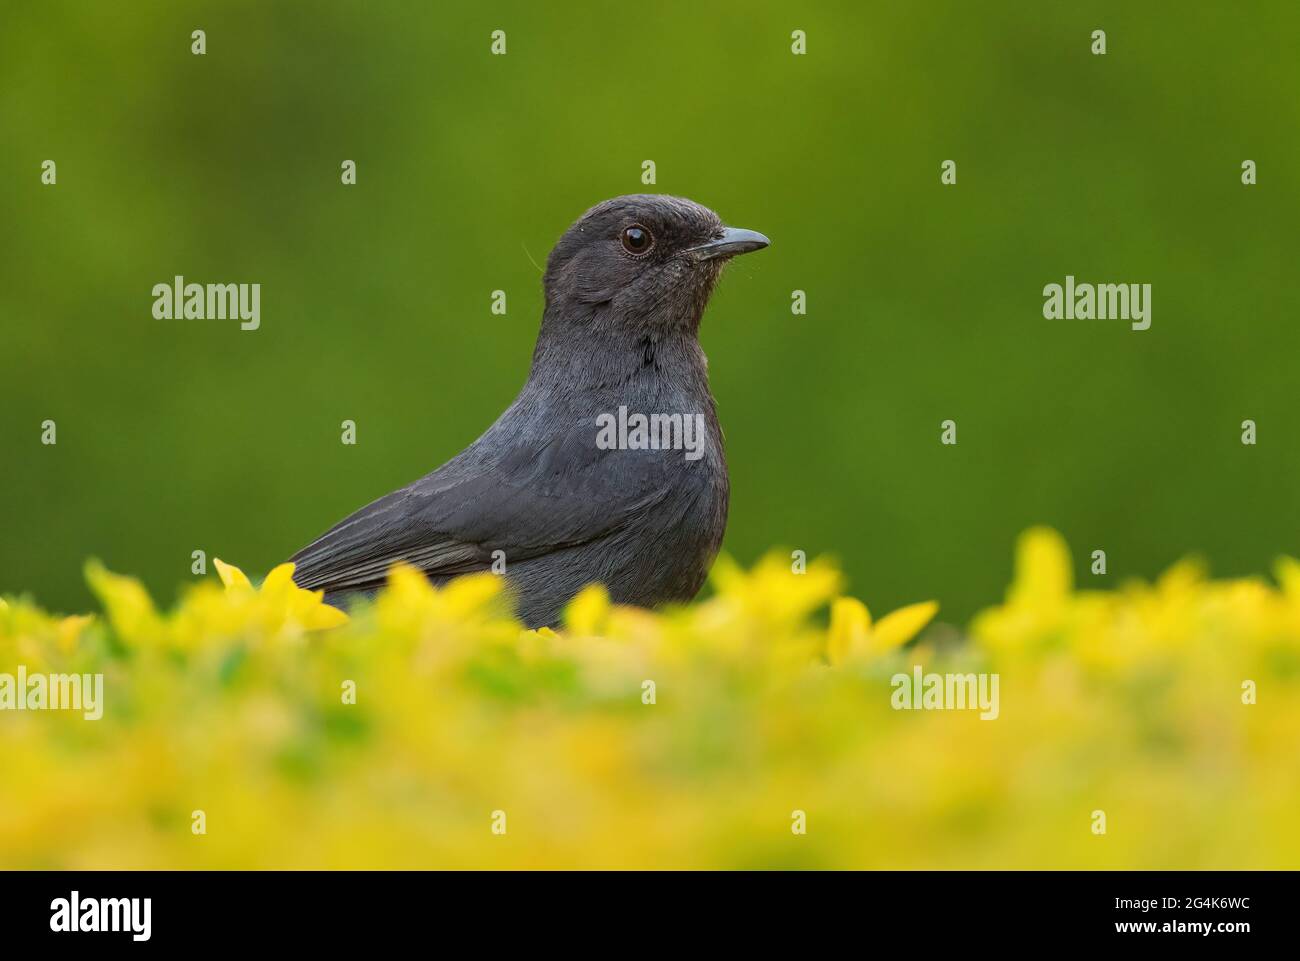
[525, 499]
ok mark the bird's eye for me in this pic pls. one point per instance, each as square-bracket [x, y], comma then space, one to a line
[637, 240]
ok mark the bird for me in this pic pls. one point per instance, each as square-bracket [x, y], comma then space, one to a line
[568, 487]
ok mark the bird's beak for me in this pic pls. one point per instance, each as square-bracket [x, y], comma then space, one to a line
[734, 240]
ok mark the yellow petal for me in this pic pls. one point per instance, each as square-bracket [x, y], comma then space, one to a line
[280, 578]
[230, 575]
[70, 629]
[850, 622]
[1287, 570]
[536, 640]
[471, 593]
[409, 585]
[1183, 578]
[586, 613]
[322, 617]
[726, 576]
[898, 627]
[1044, 571]
[129, 606]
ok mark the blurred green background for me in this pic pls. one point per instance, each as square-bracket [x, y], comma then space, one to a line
[924, 301]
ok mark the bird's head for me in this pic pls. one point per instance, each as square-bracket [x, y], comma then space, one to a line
[643, 263]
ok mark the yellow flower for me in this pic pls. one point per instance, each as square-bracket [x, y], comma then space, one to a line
[588, 612]
[676, 738]
[852, 634]
[303, 608]
[70, 629]
[232, 577]
[1039, 600]
[775, 591]
[130, 608]
[1044, 574]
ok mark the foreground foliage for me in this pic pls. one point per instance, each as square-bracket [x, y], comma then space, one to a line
[771, 697]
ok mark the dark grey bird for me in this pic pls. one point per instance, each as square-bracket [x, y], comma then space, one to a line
[564, 490]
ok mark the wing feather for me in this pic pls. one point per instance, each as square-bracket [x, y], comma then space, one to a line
[526, 500]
